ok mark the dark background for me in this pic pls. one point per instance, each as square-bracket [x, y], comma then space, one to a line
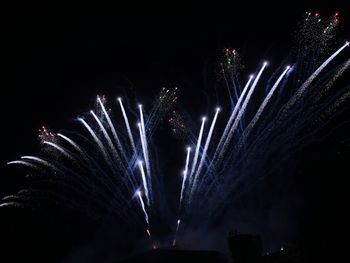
[58, 56]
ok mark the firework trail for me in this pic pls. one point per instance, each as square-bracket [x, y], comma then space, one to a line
[108, 139]
[307, 83]
[120, 166]
[144, 150]
[240, 113]
[176, 230]
[232, 118]
[139, 195]
[260, 110]
[330, 84]
[119, 145]
[144, 142]
[60, 149]
[18, 204]
[131, 138]
[98, 142]
[149, 234]
[185, 175]
[204, 154]
[74, 145]
[144, 181]
[254, 120]
[40, 160]
[23, 163]
[195, 159]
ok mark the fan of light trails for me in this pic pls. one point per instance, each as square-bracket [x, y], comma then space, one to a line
[102, 165]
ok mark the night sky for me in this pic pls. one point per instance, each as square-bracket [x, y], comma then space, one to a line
[58, 56]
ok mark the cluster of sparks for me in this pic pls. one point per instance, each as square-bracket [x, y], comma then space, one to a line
[165, 101]
[121, 154]
[231, 61]
[178, 125]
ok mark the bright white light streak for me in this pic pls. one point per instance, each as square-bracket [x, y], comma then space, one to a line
[39, 160]
[23, 163]
[71, 142]
[232, 117]
[268, 97]
[185, 174]
[204, 154]
[198, 147]
[144, 182]
[311, 78]
[142, 143]
[262, 107]
[143, 132]
[127, 124]
[97, 140]
[119, 145]
[60, 149]
[109, 141]
[74, 145]
[241, 112]
[329, 85]
[177, 229]
[12, 204]
[149, 234]
[138, 192]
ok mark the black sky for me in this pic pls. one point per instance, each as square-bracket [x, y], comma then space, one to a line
[58, 56]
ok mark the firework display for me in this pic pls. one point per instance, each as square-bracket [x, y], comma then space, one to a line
[109, 168]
